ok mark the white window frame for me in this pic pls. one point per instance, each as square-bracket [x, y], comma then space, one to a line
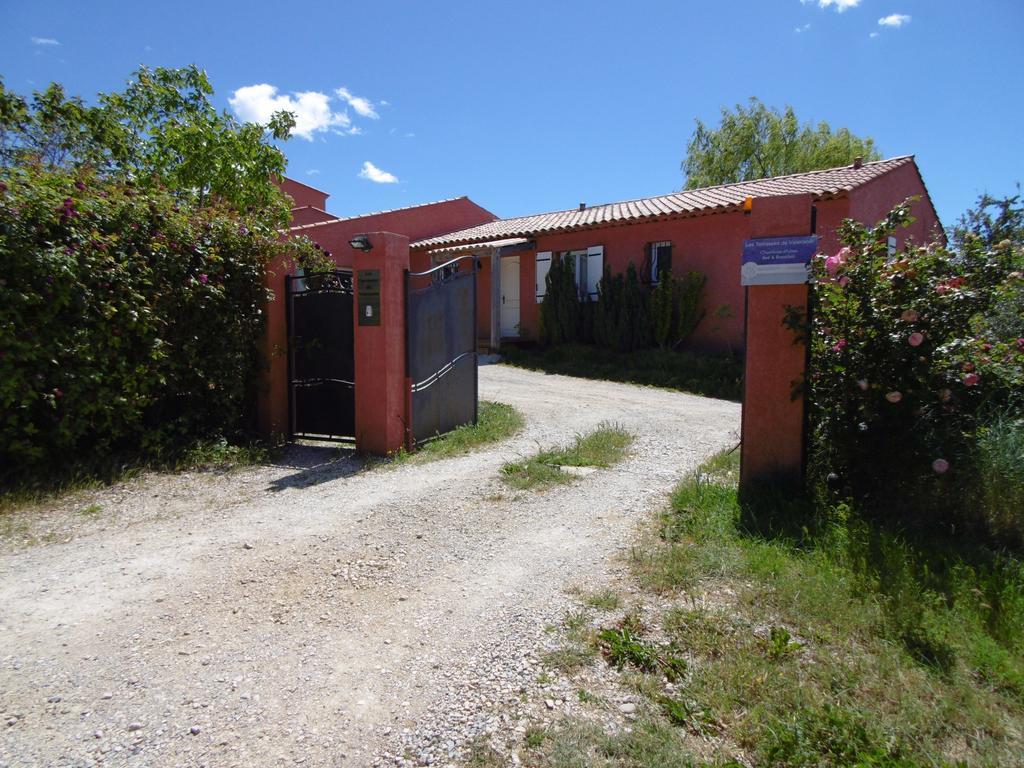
[543, 266]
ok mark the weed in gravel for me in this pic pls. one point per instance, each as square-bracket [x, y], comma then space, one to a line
[570, 658]
[91, 511]
[604, 600]
[603, 447]
[622, 648]
[495, 422]
[534, 736]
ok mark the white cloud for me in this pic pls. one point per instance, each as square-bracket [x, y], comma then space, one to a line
[375, 174]
[804, 28]
[361, 105]
[873, 34]
[313, 172]
[839, 5]
[44, 41]
[895, 20]
[312, 110]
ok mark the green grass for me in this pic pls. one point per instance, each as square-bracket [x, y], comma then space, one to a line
[603, 600]
[831, 641]
[495, 422]
[712, 375]
[601, 448]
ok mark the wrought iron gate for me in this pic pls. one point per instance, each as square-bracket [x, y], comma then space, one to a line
[441, 347]
[321, 365]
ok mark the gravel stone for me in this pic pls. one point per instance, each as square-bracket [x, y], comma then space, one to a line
[237, 648]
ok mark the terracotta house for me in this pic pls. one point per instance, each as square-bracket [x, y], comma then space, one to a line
[700, 229]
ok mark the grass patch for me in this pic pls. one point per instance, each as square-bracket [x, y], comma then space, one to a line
[700, 374]
[495, 422]
[840, 642]
[604, 600]
[601, 448]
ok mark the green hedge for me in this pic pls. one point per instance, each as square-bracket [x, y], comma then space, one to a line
[130, 320]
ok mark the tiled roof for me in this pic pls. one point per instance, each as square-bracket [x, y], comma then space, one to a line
[833, 182]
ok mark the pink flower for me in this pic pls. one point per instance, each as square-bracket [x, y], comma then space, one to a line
[838, 346]
[915, 339]
[833, 263]
[863, 384]
[909, 316]
[894, 396]
[844, 281]
[971, 379]
[58, 392]
[203, 278]
[940, 466]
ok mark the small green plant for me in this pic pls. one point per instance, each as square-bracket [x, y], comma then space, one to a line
[600, 448]
[622, 648]
[91, 511]
[534, 737]
[605, 600]
[495, 422]
[780, 644]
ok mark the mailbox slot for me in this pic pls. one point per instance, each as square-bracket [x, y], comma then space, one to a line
[368, 293]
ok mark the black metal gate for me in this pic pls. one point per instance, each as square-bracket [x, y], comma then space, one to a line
[321, 364]
[441, 347]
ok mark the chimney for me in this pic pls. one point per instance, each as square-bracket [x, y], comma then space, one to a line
[857, 163]
[583, 206]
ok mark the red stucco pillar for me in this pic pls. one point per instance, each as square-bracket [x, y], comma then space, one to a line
[381, 387]
[272, 397]
[773, 419]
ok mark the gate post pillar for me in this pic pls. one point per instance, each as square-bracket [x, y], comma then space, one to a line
[379, 341]
[772, 448]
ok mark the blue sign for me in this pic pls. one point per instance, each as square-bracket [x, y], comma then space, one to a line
[777, 260]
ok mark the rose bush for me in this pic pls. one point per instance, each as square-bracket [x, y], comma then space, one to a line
[911, 352]
[130, 318]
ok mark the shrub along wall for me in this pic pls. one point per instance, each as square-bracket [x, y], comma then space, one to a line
[626, 317]
[916, 385]
[130, 320]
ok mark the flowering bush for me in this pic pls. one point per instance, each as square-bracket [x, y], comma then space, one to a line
[130, 320]
[910, 352]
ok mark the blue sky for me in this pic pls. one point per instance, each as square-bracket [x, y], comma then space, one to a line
[532, 106]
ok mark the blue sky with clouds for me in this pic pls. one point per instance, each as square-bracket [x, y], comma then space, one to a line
[531, 106]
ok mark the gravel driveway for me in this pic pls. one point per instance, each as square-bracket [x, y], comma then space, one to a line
[305, 613]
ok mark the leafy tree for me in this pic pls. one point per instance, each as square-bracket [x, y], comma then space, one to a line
[992, 220]
[756, 141]
[162, 130]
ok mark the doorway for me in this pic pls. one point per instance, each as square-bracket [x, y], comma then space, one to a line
[510, 297]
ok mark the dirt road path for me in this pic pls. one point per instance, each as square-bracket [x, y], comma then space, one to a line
[305, 613]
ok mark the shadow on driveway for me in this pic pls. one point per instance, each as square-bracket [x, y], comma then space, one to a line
[315, 463]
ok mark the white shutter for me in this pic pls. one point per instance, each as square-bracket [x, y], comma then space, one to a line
[595, 269]
[543, 267]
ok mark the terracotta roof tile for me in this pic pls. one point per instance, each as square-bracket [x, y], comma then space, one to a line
[820, 184]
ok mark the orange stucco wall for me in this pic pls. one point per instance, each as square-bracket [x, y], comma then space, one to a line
[303, 194]
[871, 202]
[307, 214]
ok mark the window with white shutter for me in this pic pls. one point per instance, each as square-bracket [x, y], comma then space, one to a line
[543, 267]
[594, 270]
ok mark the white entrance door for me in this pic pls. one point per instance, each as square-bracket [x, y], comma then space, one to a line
[510, 296]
